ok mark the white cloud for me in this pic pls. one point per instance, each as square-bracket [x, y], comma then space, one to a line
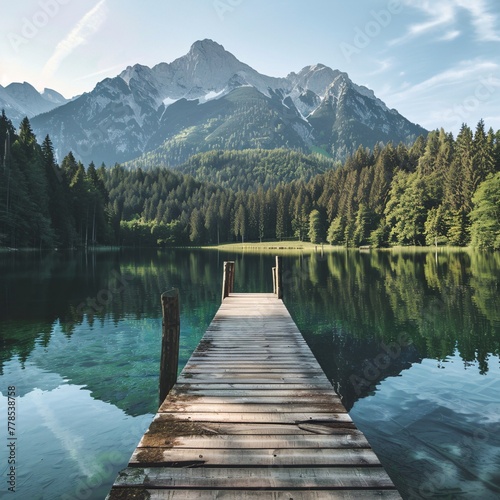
[484, 21]
[88, 25]
[466, 72]
[450, 35]
[445, 13]
[382, 67]
[465, 92]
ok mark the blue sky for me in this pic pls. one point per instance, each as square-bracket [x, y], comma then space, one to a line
[435, 61]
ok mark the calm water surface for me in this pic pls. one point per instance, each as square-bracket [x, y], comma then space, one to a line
[411, 341]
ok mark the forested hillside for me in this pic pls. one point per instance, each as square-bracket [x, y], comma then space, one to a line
[430, 193]
[43, 204]
[253, 168]
[441, 191]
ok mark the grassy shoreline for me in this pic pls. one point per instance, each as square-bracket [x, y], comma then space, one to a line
[264, 247]
[308, 247]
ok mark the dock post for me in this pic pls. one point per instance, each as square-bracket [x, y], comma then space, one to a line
[279, 281]
[170, 341]
[274, 280]
[228, 279]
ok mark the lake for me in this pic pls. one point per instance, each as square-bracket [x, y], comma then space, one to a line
[410, 340]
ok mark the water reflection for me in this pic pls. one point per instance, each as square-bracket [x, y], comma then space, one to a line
[381, 311]
[70, 445]
[409, 340]
[384, 311]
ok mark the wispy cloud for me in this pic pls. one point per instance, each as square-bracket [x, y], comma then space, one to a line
[460, 75]
[485, 22]
[88, 25]
[111, 69]
[382, 67]
[445, 13]
[451, 35]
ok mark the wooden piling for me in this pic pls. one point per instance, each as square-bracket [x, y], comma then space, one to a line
[170, 341]
[228, 279]
[278, 280]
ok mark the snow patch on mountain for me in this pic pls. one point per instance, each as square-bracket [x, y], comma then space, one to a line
[169, 101]
[210, 96]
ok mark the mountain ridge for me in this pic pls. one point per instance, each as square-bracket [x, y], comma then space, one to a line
[22, 99]
[143, 111]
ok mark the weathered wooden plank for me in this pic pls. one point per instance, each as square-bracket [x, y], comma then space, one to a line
[248, 386]
[228, 395]
[206, 379]
[267, 376]
[264, 351]
[269, 417]
[246, 369]
[258, 346]
[256, 478]
[248, 378]
[167, 494]
[286, 338]
[230, 373]
[263, 355]
[296, 457]
[230, 407]
[257, 365]
[284, 358]
[165, 432]
[255, 438]
[249, 397]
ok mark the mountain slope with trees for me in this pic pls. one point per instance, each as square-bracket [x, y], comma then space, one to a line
[440, 190]
[253, 168]
[396, 195]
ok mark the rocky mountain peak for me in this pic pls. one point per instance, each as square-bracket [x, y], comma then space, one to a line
[54, 96]
[209, 99]
[207, 48]
[317, 78]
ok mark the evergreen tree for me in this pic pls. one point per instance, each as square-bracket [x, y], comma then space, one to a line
[240, 223]
[336, 231]
[61, 217]
[27, 159]
[362, 225]
[436, 227]
[315, 227]
[405, 211]
[280, 217]
[483, 151]
[196, 224]
[485, 216]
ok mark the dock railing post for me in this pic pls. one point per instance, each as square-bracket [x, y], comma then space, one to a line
[171, 327]
[228, 279]
[278, 280]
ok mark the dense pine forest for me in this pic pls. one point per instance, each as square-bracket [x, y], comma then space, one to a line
[439, 191]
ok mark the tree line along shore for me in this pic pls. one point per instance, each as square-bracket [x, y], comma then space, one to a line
[439, 191]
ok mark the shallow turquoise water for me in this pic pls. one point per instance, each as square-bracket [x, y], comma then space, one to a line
[410, 342]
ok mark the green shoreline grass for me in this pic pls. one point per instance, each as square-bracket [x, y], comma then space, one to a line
[308, 247]
[270, 247]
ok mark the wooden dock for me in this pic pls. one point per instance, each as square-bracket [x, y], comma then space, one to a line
[252, 415]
